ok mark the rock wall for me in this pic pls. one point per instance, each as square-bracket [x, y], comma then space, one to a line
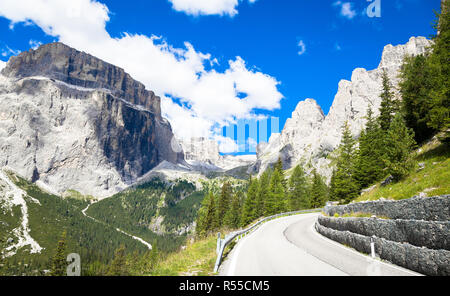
[416, 235]
[429, 209]
[429, 234]
[425, 261]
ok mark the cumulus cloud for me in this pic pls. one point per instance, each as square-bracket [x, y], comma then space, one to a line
[346, 9]
[2, 64]
[207, 7]
[194, 99]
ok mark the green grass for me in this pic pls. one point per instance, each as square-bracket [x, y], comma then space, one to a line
[433, 180]
[197, 259]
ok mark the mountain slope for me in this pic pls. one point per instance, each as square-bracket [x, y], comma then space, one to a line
[309, 137]
[73, 121]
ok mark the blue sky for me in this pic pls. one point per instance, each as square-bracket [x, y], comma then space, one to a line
[290, 49]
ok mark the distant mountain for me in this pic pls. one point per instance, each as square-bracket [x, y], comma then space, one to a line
[309, 137]
[69, 120]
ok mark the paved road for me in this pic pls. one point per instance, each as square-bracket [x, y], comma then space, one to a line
[291, 247]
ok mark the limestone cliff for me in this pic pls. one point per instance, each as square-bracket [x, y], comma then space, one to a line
[73, 121]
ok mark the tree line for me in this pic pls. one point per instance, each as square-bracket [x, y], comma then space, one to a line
[270, 194]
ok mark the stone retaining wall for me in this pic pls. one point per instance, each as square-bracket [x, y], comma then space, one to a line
[416, 235]
[417, 208]
[430, 234]
[422, 260]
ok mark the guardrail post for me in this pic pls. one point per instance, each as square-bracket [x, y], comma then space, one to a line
[372, 246]
[219, 243]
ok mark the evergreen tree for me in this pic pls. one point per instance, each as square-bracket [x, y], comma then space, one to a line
[440, 65]
[207, 216]
[249, 209]
[59, 261]
[279, 166]
[389, 106]
[345, 186]
[298, 190]
[425, 85]
[233, 216]
[370, 165]
[263, 191]
[276, 200]
[118, 266]
[319, 191]
[399, 145]
[224, 202]
[415, 86]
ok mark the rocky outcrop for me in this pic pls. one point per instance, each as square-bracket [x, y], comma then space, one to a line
[72, 121]
[309, 137]
[203, 155]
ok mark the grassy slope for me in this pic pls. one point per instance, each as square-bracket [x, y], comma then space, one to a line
[197, 259]
[433, 180]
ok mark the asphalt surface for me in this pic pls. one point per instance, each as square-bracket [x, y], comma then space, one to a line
[290, 246]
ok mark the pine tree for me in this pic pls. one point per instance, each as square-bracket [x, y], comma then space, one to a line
[389, 106]
[298, 195]
[211, 218]
[345, 186]
[249, 209]
[207, 216]
[233, 216]
[224, 202]
[118, 266]
[319, 191]
[59, 261]
[279, 166]
[263, 192]
[399, 145]
[440, 65]
[370, 165]
[276, 200]
[425, 85]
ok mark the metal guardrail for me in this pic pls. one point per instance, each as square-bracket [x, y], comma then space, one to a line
[222, 243]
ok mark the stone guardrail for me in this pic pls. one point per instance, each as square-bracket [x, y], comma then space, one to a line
[222, 243]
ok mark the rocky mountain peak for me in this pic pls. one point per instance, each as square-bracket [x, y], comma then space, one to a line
[72, 121]
[62, 63]
[309, 136]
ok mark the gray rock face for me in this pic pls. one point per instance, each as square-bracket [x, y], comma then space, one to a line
[312, 136]
[72, 121]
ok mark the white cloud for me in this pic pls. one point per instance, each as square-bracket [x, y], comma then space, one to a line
[2, 64]
[209, 98]
[207, 7]
[302, 47]
[34, 44]
[347, 10]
